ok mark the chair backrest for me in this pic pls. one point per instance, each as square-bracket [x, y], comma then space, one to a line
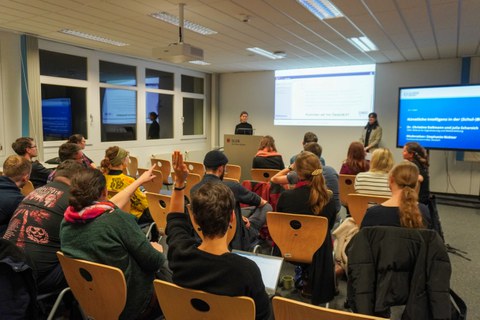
[288, 309]
[27, 188]
[298, 236]
[165, 167]
[195, 167]
[359, 203]
[231, 179]
[179, 303]
[156, 184]
[128, 205]
[132, 166]
[100, 290]
[263, 174]
[192, 179]
[159, 205]
[230, 231]
[233, 171]
[346, 185]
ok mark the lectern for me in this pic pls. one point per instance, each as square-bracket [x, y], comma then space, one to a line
[240, 149]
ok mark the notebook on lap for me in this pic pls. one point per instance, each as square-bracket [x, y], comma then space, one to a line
[269, 266]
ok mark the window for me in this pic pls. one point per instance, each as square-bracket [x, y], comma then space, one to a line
[62, 65]
[192, 116]
[155, 79]
[63, 112]
[118, 74]
[118, 114]
[162, 105]
[192, 84]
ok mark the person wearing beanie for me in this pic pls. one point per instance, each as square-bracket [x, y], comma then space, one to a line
[247, 228]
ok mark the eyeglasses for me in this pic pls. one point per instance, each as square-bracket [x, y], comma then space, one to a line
[32, 147]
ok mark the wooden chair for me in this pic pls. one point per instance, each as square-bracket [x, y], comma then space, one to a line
[359, 203]
[179, 303]
[346, 185]
[166, 168]
[159, 205]
[125, 208]
[192, 179]
[156, 184]
[27, 188]
[231, 179]
[298, 236]
[195, 167]
[233, 171]
[100, 290]
[263, 174]
[132, 166]
[288, 309]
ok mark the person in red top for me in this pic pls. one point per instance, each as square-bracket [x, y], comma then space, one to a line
[267, 156]
[355, 161]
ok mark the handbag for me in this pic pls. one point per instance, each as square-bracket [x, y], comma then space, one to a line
[458, 307]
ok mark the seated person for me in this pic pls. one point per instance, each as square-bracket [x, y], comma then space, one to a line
[247, 229]
[27, 148]
[312, 197]
[35, 226]
[95, 229]
[116, 159]
[290, 176]
[355, 161]
[307, 138]
[244, 127]
[16, 171]
[403, 208]
[267, 156]
[209, 266]
[68, 151]
[375, 180]
[80, 140]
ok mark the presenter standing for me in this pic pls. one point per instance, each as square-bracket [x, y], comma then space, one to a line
[372, 133]
[244, 127]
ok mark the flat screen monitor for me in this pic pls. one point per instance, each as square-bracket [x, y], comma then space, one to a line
[57, 118]
[440, 117]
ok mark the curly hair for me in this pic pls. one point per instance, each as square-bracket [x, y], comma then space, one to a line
[356, 157]
[86, 187]
[420, 157]
[267, 142]
[382, 160]
[308, 167]
[212, 206]
[405, 175]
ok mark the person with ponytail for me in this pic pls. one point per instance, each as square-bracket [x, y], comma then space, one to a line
[116, 159]
[415, 153]
[95, 229]
[403, 208]
[311, 196]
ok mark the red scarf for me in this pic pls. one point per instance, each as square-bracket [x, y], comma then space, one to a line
[88, 213]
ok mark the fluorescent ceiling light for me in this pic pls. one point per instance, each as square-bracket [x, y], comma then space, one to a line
[363, 44]
[170, 18]
[266, 53]
[199, 62]
[93, 37]
[322, 9]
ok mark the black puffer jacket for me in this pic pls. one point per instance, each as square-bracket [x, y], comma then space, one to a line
[390, 266]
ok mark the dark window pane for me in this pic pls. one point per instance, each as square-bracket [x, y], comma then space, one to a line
[158, 79]
[162, 105]
[192, 84]
[64, 112]
[62, 65]
[118, 74]
[119, 114]
[192, 116]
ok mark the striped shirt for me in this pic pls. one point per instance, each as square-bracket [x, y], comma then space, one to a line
[375, 183]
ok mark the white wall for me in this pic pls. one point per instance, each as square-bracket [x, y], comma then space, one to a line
[254, 92]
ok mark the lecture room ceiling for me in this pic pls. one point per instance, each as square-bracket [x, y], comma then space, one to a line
[403, 30]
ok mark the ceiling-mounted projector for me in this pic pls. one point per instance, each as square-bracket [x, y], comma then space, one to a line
[178, 53]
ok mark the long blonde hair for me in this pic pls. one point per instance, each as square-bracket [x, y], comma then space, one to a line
[405, 175]
[309, 168]
[382, 160]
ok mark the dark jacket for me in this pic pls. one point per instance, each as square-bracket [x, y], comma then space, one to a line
[390, 266]
[18, 291]
[10, 198]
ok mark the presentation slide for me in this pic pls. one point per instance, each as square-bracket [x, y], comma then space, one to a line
[57, 118]
[440, 117]
[119, 106]
[331, 96]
